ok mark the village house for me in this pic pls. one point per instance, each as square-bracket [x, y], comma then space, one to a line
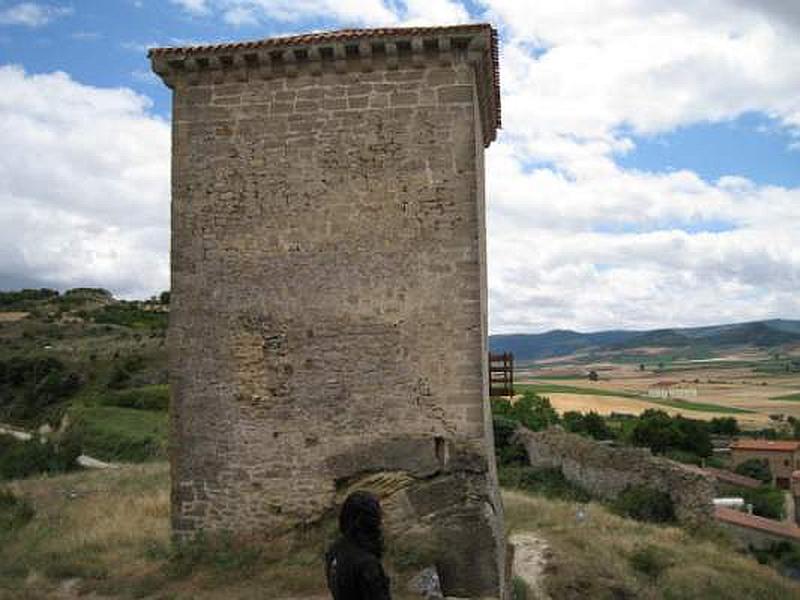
[672, 389]
[783, 457]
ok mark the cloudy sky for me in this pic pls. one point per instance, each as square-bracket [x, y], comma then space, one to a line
[648, 172]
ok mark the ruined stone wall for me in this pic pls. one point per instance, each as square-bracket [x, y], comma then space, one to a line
[604, 471]
[328, 308]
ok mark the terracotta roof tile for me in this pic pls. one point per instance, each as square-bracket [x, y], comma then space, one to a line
[343, 35]
[733, 478]
[734, 517]
[766, 445]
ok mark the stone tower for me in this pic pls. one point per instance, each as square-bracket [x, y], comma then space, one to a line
[328, 314]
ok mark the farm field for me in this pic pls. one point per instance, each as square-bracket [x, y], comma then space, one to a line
[739, 385]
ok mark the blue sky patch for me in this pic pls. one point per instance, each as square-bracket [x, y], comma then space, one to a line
[752, 146]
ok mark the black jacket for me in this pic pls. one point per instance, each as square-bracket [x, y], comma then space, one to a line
[355, 574]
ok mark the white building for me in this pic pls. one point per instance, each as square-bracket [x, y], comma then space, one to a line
[672, 389]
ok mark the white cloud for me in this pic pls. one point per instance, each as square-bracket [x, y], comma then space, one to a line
[31, 14]
[337, 12]
[575, 240]
[84, 185]
[197, 7]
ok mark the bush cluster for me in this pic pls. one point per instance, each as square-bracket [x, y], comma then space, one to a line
[29, 385]
[756, 468]
[129, 315]
[550, 483]
[15, 512]
[590, 424]
[148, 397]
[644, 503]
[531, 411]
[25, 458]
[657, 430]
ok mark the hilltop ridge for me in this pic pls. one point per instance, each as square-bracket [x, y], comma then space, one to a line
[777, 335]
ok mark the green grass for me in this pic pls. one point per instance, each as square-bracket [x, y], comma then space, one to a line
[120, 434]
[555, 388]
[788, 397]
[697, 406]
[147, 397]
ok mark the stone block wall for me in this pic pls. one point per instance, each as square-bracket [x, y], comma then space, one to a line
[605, 471]
[328, 308]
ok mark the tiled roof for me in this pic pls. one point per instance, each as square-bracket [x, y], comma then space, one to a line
[346, 35]
[733, 478]
[766, 445]
[341, 35]
[779, 528]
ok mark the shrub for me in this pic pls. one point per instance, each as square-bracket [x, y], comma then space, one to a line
[14, 512]
[723, 426]
[644, 503]
[519, 588]
[590, 424]
[149, 397]
[20, 459]
[549, 483]
[757, 468]
[650, 561]
[532, 411]
[507, 452]
[129, 315]
[682, 456]
[656, 430]
[767, 502]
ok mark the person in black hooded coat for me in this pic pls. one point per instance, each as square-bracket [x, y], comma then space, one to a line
[353, 563]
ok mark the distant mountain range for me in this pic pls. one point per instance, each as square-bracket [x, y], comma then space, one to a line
[769, 334]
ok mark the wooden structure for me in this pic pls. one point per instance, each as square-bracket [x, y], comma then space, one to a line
[501, 374]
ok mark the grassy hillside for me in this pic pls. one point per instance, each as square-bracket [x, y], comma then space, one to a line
[89, 361]
[600, 555]
[107, 533]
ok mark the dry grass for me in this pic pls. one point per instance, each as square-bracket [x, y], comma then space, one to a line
[606, 556]
[741, 388]
[107, 533]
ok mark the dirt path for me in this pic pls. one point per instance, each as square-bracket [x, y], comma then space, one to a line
[530, 559]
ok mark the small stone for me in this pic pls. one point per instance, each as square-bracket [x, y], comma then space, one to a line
[426, 584]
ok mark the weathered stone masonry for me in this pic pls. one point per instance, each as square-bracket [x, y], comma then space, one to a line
[605, 471]
[328, 319]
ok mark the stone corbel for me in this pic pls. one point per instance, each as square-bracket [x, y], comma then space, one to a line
[239, 67]
[391, 56]
[445, 51]
[217, 70]
[476, 49]
[417, 52]
[192, 68]
[315, 61]
[365, 52]
[265, 65]
[290, 63]
[339, 58]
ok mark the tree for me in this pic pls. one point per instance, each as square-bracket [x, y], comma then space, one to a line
[757, 468]
[723, 426]
[591, 424]
[656, 430]
[641, 366]
[532, 411]
[593, 376]
[164, 297]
